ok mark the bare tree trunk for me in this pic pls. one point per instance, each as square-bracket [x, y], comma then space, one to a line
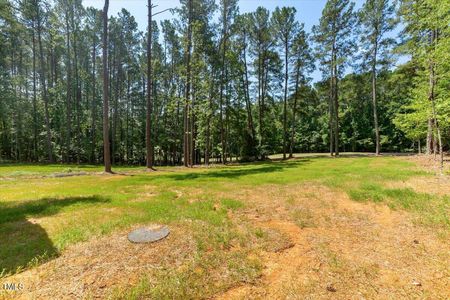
[185, 134]
[148, 128]
[187, 112]
[115, 106]
[432, 98]
[192, 129]
[429, 136]
[94, 105]
[35, 131]
[44, 88]
[227, 117]
[294, 112]
[331, 114]
[247, 98]
[127, 125]
[260, 104]
[286, 77]
[374, 102]
[208, 129]
[106, 150]
[263, 97]
[77, 88]
[336, 111]
[222, 75]
[68, 93]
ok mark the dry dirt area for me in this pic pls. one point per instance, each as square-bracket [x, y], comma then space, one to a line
[93, 269]
[341, 249]
[334, 248]
[439, 185]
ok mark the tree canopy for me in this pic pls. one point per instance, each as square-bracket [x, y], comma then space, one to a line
[212, 84]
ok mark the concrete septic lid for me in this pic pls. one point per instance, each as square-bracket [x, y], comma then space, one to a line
[149, 234]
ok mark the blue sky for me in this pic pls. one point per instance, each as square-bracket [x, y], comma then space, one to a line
[308, 11]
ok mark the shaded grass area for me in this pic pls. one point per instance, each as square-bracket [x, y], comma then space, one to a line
[15, 211]
[25, 170]
[24, 242]
[13, 170]
[39, 230]
[45, 215]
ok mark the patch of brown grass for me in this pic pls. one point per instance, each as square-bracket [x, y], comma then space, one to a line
[353, 249]
[93, 268]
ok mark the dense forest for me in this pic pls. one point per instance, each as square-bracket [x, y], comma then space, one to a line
[214, 85]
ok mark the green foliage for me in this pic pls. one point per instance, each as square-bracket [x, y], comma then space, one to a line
[239, 68]
[428, 42]
[333, 34]
[375, 19]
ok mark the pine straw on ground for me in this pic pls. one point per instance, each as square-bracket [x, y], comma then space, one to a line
[435, 185]
[317, 243]
[94, 268]
[344, 250]
[429, 162]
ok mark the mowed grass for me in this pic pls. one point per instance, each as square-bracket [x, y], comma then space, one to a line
[41, 215]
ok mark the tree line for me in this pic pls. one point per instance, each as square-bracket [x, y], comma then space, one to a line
[213, 84]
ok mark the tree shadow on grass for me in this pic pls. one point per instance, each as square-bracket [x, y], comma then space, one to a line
[233, 172]
[23, 242]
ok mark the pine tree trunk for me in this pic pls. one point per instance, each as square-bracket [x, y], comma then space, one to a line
[294, 112]
[432, 98]
[336, 111]
[35, 130]
[222, 79]
[77, 89]
[208, 127]
[106, 149]
[68, 93]
[429, 136]
[192, 130]
[44, 89]
[286, 77]
[260, 104]
[247, 98]
[148, 128]
[187, 113]
[331, 114]
[374, 102]
[227, 118]
[94, 106]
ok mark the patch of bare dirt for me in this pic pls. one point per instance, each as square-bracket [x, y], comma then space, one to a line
[348, 250]
[436, 185]
[146, 192]
[429, 162]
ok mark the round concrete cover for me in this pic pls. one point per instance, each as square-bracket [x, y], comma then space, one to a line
[148, 234]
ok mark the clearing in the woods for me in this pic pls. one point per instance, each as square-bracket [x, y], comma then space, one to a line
[312, 227]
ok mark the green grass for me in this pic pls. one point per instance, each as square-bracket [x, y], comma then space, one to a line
[431, 209]
[40, 216]
[34, 170]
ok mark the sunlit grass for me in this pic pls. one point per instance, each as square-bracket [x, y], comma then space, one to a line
[431, 209]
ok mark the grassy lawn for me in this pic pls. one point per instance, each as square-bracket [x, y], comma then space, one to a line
[41, 215]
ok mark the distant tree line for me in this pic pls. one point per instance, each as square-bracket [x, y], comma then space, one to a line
[221, 85]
